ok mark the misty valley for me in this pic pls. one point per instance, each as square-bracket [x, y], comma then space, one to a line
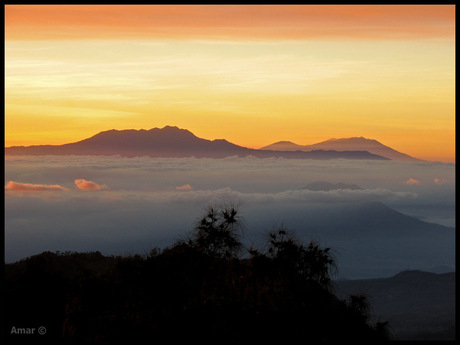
[378, 217]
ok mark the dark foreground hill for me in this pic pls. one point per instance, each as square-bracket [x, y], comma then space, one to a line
[197, 289]
[173, 142]
[178, 294]
[418, 305]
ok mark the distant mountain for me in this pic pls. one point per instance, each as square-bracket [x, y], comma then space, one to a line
[369, 220]
[418, 305]
[328, 186]
[372, 239]
[345, 144]
[172, 142]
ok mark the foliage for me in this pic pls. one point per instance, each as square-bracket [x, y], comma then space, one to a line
[217, 233]
[310, 262]
[194, 290]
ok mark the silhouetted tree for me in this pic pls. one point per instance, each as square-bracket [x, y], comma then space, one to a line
[382, 329]
[359, 304]
[310, 262]
[218, 233]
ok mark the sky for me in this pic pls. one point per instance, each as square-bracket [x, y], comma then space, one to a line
[252, 74]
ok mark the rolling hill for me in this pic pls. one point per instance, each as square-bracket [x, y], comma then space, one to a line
[418, 305]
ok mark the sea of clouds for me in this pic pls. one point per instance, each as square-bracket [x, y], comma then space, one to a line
[128, 205]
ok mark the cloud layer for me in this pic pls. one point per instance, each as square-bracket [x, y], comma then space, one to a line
[288, 196]
[153, 202]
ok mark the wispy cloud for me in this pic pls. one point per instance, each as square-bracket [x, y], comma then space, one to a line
[439, 181]
[12, 186]
[412, 181]
[184, 187]
[83, 184]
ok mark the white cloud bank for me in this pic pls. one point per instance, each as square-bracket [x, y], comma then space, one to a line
[287, 196]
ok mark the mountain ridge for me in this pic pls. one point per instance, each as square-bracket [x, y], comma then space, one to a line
[172, 141]
[342, 144]
[367, 234]
[426, 312]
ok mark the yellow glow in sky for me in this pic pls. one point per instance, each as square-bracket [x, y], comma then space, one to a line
[64, 85]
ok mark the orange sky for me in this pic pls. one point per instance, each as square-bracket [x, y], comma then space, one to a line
[237, 21]
[251, 74]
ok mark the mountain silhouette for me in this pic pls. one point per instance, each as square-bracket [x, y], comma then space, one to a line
[172, 142]
[373, 239]
[370, 220]
[419, 305]
[345, 144]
